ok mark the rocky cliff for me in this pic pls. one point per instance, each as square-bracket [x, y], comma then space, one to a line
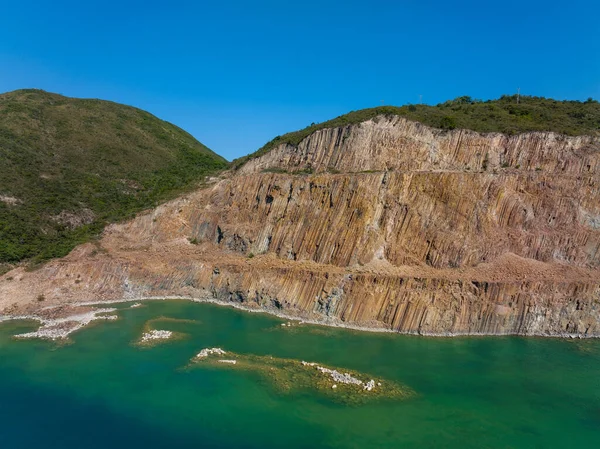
[383, 224]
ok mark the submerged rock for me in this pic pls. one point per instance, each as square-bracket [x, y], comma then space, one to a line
[288, 375]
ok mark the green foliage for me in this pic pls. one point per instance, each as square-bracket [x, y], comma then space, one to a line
[75, 165]
[503, 115]
[447, 122]
[304, 171]
[274, 170]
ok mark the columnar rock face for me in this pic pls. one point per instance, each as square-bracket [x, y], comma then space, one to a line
[398, 226]
[398, 144]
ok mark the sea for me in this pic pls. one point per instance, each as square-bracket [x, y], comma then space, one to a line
[102, 389]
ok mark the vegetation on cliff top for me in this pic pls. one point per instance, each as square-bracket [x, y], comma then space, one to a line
[503, 115]
[69, 166]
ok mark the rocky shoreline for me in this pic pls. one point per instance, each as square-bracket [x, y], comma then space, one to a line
[300, 317]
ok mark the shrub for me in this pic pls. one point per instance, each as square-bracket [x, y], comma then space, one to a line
[448, 123]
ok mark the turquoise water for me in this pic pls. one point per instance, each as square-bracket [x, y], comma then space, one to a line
[102, 391]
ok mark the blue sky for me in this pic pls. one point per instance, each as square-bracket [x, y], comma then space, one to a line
[237, 73]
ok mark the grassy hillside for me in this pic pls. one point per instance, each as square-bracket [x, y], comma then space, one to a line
[503, 115]
[69, 166]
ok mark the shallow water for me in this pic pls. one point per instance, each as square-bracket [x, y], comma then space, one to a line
[103, 391]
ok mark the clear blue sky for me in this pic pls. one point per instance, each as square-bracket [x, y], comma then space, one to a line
[237, 73]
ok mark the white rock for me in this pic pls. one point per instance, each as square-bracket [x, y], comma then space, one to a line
[344, 378]
[156, 335]
[209, 351]
[58, 328]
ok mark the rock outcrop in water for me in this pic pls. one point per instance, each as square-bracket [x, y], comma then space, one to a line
[398, 226]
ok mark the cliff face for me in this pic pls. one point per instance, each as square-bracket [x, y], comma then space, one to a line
[398, 144]
[398, 226]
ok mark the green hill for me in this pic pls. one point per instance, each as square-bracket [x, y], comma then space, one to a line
[70, 166]
[503, 115]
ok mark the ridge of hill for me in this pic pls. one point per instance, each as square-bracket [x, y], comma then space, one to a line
[507, 115]
[69, 166]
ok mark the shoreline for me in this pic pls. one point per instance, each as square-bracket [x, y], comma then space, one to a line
[86, 318]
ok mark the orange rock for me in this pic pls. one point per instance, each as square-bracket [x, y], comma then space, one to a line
[400, 227]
